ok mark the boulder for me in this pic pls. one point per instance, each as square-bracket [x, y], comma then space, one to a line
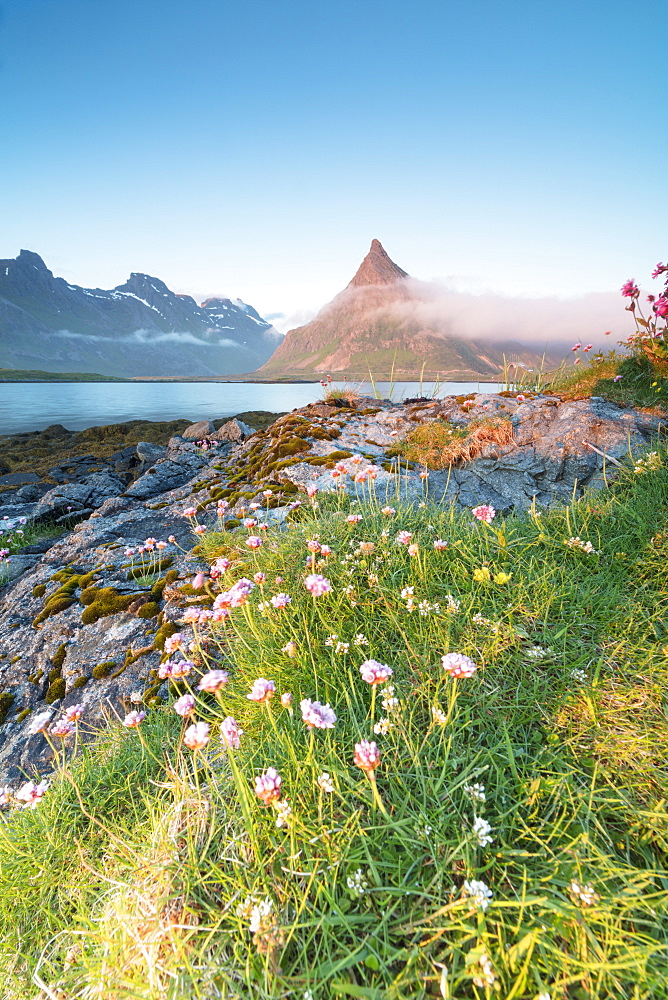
[234, 430]
[150, 453]
[167, 474]
[202, 429]
[73, 498]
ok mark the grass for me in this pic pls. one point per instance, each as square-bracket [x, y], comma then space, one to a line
[151, 871]
[639, 382]
[438, 443]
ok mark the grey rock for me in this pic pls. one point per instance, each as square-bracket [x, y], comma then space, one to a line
[165, 475]
[201, 429]
[76, 497]
[234, 430]
[17, 478]
[15, 566]
[32, 492]
[150, 453]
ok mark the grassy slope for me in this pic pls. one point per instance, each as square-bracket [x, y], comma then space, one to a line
[130, 873]
[25, 375]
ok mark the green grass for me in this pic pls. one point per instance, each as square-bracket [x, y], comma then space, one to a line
[640, 384]
[136, 875]
[35, 375]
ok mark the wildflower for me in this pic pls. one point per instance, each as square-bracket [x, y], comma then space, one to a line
[424, 475]
[367, 755]
[268, 786]
[290, 648]
[440, 545]
[39, 723]
[382, 727]
[317, 584]
[74, 712]
[31, 794]
[389, 701]
[341, 648]
[360, 640]
[184, 705]
[230, 733]
[438, 716]
[262, 690]
[286, 699]
[260, 578]
[388, 511]
[173, 642]
[366, 548]
[617, 378]
[484, 512]
[199, 529]
[316, 715]
[587, 347]
[213, 681]
[537, 653]
[354, 518]
[482, 575]
[374, 672]
[5, 795]
[580, 676]
[630, 290]
[413, 549]
[311, 490]
[482, 830]
[249, 522]
[136, 697]
[280, 600]
[476, 792]
[254, 542]
[452, 605]
[404, 537]
[577, 543]
[331, 639]
[325, 551]
[357, 883]
[486, 977]
[134, 719]
[283, 813]
[502, 578]
[458, 665]
[659, 269]
[407, 592]
[520, 397]
[584, 894]
[313, 545]
[218, 567]
[576, 347]
[197, 736]
[325, 782]
[62, 729]
[427, 608]
[478, 892]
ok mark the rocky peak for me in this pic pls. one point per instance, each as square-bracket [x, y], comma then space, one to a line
[377, 268]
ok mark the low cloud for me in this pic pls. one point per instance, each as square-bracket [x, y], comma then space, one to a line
[151, 337]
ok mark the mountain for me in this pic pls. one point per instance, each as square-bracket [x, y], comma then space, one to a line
[382, 323]
[138, 328]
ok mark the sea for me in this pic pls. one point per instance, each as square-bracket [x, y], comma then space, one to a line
[32, 406]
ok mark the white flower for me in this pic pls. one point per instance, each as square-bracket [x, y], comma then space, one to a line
[331, 639]
[284, 812]
[360, 640]
[482, 830]
[584, 894]
[341, 648]
[478, 892]
[357, 883]
[438, 716]
[487, 977]
[325, 782]
[579, 676]
[39, 723]
[452, 605]
[259, 913]
[382, 727]
[476, 792]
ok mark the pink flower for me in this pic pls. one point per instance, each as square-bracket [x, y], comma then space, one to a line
[413, 549]
[484, 512]
[659, 269]
[260, 578]
[185, 705]
[286, 699]
[219, 567]
[290, 648]
[62, 729]
[198, 581]
[267, 493]
[661, 306]
[254, 542]
[424, 475]
[458, 665]
[197, 735]
[374, 672]
[31, 794]
[312, 545]
[388, 511]
[520, 397]
[268, 786]
[199, 529]
[262, 690]
[149, 543]
[231, 733]
[213, 681]
[280, 600]
[74, 712]
[354, 518]
[325, 551]
[173, 642]
[134, 719]
[316, 715]
[249, 522]
[587, 347]
[630, 290]
[404, 537]
[317, 584]
[440, 545]
[617, 378]
[576, 347]
[311, 490]
[367, 755]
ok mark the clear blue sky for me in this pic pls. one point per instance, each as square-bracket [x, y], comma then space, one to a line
[254, 147]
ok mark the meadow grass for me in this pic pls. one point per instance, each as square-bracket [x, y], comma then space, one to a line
[512, 841]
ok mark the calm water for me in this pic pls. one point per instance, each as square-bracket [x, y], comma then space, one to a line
[29, 406]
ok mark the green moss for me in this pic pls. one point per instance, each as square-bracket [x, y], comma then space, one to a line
[232, 523]
[39, 590]
[15, 659]
[56, 691]
[103, 669]
[53, 607]
[159, 506]
[22, 715]
[293, 446]
[6, 702]
[169, 628]
[369, 410]
[80, 682]
[58, 657]
[86, 579]
[107, 601]
[338, 456]
[148, 610]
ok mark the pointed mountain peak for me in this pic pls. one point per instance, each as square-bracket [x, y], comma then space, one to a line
[377, 268]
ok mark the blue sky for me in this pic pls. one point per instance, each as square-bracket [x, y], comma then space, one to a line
[255, 147]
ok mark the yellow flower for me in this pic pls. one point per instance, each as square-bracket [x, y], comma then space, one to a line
[502, 577]
[482, 575]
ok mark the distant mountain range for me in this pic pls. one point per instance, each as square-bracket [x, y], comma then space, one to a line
[139, 328]
[381, 324]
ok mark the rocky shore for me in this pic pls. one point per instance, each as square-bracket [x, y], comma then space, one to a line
[83, 618]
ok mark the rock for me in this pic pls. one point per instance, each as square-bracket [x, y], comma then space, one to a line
[32, 492]
[202, 429]
[15, 566]
[70, 499]
[17, 478]
[167, 474]
[234, 430]
[125, 460]
[38, 548]
[150, 453]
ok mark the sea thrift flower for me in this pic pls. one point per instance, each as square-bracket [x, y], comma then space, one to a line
[440, 545]
[74, 712]
[617, 378]
[576, 347]
[317, 584]
[62, 729]
[374, 672]
[268, 786]
[290, 648]
[213, 681]
[325, 550]
[262, 690]
[31, 794]
[249, 522]
[39, 723]
[458, 665]
[354, 518]
[404, 537]
[198, 581]
[316, 715]
[260, 578]
[479, 893]
[280, 600]
[313, 545]
[185, 705]
[254, 542]
[219, 567]
[325, 782]
[587, 347]
[230, 733]
[484, 512]
[630, 290]
[388, 511]
[134, 719]
[197, 736]
[286, 699]
[173, 642]
[199, 529]
[367, 755]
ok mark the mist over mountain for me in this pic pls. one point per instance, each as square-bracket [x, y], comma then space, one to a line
[385, 320]
[138, 328]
